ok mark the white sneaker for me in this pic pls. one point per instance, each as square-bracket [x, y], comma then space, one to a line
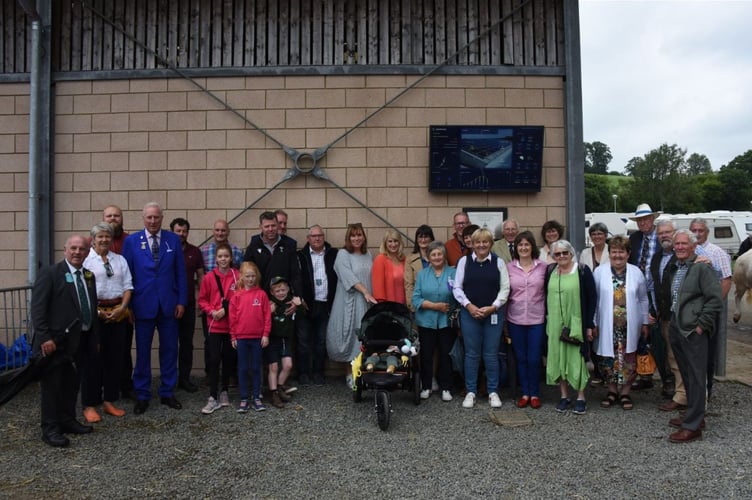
[224, 398]
[425, 394]
[446, 396]
[469, 401]
[494, 400]
[211, 406]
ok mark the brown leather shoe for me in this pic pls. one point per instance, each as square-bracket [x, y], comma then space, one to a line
[276, 400]
[111, 409]
[677, 422]
[671, 406]
[685, 436]
[91, 415]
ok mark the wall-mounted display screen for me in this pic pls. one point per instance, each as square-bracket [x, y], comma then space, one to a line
[483, 158]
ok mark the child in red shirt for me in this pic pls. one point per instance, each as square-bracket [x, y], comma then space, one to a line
[214, 297]
[250, 324]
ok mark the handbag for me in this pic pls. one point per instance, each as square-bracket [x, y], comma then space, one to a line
[457, 355]
[566, 337]
[645, 364]
[566, 332]
[454, 318]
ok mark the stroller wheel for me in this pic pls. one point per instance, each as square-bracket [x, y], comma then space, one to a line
[383, 409]
[416, 389]
[358, 391]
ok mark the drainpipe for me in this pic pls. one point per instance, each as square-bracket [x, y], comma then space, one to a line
[573, 108]
[40, 105]
[34, 150]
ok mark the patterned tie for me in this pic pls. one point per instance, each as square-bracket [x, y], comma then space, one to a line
[155, 247]
[511, 249]
[84, 299]
[681, 273]
[644, 252]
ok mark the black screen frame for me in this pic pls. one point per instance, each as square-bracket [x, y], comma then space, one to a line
[485, 158]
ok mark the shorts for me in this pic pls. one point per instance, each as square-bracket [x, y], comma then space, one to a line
[278, 348]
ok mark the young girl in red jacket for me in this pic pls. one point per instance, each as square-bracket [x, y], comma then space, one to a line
[214, 298]
[250, 324]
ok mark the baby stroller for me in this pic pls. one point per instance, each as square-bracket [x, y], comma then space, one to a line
[386, 331]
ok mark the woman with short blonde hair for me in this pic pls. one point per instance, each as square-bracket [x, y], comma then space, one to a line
[481, 287]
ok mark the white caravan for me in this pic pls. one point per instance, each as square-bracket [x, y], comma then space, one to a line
[724, 228]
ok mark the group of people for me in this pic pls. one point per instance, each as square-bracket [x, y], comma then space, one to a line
[274, 301]
[114, 287]
[665, 287]
[582, 315]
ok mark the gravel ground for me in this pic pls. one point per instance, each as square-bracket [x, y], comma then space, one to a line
[325, 445]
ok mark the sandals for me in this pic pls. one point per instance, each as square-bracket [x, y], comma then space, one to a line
[626, 402]
[610, 400]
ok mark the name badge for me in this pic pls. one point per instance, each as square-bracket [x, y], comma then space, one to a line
[494, 319]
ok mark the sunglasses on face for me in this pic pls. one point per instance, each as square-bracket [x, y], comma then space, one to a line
[561, 254]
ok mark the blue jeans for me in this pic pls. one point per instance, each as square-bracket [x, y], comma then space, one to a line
[481, 338]
[527, 341]
[249, 358]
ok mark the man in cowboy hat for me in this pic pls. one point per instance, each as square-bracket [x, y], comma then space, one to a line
[644, 244]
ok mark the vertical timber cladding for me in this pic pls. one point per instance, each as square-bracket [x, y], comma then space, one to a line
[282, 33]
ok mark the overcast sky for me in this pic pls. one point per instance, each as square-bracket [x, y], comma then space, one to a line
[678, 72]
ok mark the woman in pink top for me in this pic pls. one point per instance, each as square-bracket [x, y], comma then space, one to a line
[526, 313]
[388, 272]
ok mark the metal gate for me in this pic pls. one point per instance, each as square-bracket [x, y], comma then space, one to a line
[14, 311]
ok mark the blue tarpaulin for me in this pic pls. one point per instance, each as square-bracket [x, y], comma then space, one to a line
[15, 356]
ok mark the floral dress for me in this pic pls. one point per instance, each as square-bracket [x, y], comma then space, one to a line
[619, 369]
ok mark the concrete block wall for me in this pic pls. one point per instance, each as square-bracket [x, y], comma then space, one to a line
[128, 142]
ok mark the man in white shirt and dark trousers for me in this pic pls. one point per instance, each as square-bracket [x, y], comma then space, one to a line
[319, 284]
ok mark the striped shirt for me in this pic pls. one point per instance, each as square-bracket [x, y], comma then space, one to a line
[209, 254]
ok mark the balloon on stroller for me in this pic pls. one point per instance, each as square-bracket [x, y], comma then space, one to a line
[387, 358]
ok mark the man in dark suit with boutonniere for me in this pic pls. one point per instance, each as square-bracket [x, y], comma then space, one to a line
[63, 302]
[160, 294]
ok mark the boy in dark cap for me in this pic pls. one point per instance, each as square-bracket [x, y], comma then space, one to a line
[279, 350]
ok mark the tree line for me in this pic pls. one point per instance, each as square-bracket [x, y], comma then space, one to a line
[668, 180]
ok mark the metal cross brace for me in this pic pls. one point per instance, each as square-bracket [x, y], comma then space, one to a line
[303, 162]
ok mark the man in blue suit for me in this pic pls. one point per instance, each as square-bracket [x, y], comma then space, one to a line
[160, 294]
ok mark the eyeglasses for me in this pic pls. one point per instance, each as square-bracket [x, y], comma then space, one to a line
[108, 270]
[316, 235]
[561, 254]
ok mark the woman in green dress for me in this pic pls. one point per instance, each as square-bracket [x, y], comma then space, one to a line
[570, 305]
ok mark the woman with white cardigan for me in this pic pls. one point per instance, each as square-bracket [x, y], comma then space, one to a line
[621, 315]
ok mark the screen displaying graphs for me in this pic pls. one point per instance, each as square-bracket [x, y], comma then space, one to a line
[485, 158]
